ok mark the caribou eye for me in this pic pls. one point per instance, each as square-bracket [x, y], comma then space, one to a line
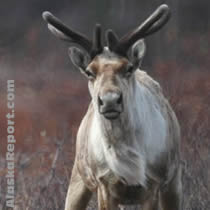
[90, 74]
[129, 70]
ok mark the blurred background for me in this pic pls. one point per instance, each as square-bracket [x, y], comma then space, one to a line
[52, 96]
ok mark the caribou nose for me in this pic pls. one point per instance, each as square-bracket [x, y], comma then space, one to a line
[110, 104]
[110, 99]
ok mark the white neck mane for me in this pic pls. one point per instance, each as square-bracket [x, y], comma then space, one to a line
[128, 144]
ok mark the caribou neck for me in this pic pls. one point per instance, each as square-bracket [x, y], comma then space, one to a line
[123, 129]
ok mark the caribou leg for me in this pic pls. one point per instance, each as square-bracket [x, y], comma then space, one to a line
[78, 194]
[153, 200]
[171, 196]
[151, 204]
[105, 201]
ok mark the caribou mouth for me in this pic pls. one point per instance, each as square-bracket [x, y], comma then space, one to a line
[111, 115]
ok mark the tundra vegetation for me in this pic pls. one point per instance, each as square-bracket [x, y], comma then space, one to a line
[41, 127]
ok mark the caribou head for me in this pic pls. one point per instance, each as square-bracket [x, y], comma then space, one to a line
[110, 70]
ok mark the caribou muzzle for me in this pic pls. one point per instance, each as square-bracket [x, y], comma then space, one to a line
[110, 105]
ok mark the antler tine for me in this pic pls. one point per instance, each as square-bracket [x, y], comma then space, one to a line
[161, 22]
[152, 24]
[72, 34]
[97, 41]
[112, 39]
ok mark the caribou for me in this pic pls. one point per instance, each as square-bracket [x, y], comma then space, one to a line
[128, 143]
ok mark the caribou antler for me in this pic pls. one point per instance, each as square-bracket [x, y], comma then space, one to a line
[65, 33]
[97, 46]
[152, 24]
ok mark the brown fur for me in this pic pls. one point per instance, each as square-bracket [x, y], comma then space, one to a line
[164, 181]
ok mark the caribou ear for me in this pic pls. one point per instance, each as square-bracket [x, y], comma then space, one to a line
[137, 52]
[79, 58]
